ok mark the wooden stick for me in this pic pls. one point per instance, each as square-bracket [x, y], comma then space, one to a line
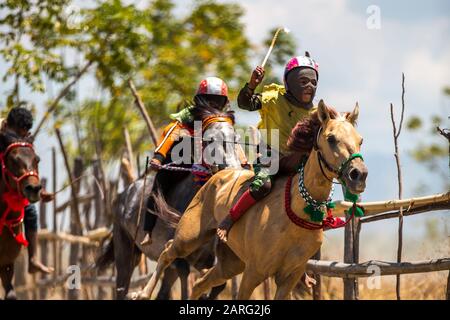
[129, 151]
[69, 174]
[81, 200]
[352, 270]
[141, 107]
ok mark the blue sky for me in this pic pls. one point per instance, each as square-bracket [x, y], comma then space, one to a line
[357, 64]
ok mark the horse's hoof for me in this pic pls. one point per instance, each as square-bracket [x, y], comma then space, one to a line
[11, 296]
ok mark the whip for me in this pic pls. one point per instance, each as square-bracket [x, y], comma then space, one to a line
[274, 39]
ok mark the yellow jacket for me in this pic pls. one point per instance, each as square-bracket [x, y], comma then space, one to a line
[278, 113]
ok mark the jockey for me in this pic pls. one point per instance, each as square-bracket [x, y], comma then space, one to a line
[212, 92]
[19, 121]
[280, 107]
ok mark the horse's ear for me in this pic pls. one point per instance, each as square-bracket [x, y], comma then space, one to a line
[323, 112]
[352, 117]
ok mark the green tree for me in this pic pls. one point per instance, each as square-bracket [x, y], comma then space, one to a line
[166, 54]
[434, 152]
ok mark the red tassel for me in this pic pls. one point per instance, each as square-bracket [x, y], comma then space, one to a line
[21, 239]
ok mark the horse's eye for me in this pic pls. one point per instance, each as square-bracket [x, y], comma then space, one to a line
[361, 142]
[331, 139]
[38, 159]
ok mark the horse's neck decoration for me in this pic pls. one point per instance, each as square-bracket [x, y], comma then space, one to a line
[15, 202]
[315, 209]
[13, 198]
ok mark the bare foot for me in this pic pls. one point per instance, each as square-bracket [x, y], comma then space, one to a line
[35, 266]
[308, 281]
[147, 240]
[224, 227]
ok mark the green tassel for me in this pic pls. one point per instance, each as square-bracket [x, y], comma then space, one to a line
[350, 196]
[315, 215]
[353, 198]
[359, 212]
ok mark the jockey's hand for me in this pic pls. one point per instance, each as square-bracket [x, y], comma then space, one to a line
[47, 196]
[256, 78]
[155, 164]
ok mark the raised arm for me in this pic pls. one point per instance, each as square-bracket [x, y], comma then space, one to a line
[247, 98]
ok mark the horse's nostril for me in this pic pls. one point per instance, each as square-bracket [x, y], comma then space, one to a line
[33, 189]
[354, 174]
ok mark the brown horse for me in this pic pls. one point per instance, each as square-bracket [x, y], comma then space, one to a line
[126, 243]
[268, 240]
[19, 185]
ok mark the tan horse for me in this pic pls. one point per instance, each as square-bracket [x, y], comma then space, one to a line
[265, 242]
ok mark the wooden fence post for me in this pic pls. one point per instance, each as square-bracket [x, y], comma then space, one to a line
[317, 289]
[75, 223]
[349, 284]
[55, 222]
[43, 243]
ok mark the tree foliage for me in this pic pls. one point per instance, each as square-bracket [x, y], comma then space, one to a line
[164, 52]
[432, 149]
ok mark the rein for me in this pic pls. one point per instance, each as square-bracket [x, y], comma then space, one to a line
[197, 170]
[14, 199]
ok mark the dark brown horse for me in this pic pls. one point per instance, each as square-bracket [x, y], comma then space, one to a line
[19, 186]
[125, 248]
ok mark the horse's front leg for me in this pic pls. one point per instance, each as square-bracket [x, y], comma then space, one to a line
[287, 283]
[6, 274]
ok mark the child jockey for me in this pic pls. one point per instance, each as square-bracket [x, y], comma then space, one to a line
[212, 92]
[19, 121]
[280, 107]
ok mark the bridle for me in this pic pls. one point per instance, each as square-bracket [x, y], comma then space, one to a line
[208, 121]
[323, 161]
[7, 173]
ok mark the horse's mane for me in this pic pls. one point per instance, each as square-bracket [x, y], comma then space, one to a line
[8, 137]
[200, 113]
[305, 131]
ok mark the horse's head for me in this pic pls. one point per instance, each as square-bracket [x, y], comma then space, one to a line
[218, 138]
[19, 166]
[338, 145]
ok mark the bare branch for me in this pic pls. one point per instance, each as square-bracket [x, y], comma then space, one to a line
[61, 95]
[140, 105]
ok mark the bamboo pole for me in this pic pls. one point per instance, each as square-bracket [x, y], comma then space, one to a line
[410, 212]
[372, 208]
